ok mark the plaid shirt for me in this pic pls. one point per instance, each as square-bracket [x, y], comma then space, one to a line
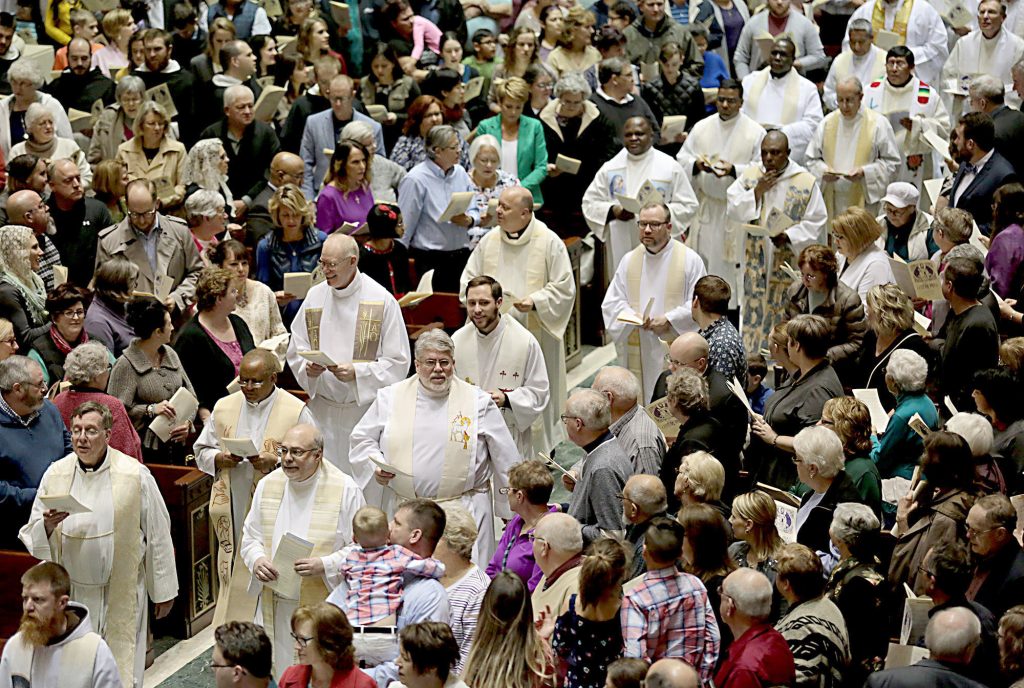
[668, 615]
[374, 578]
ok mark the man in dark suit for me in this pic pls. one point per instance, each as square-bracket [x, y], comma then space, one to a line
[285, 168]
[952, 636]
[982, 169]
[987, 94]
[998, 580]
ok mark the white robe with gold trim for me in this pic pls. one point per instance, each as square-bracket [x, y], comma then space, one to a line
[866, 68]
[790, 103]
[974, 54]
[926, 34]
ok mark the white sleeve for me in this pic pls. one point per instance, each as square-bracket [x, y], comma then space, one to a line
[597, 201]
[528, 402]
[616, 303]
[683, 205]
[104, 668]
[252, 531]
[33, 533]
[364, 441]
[261, 24]
[501, 449]
[161, 569]
[207, 447]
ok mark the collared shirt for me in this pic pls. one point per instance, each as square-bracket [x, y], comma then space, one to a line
[759, 657]
[374, 578]
[641, 439]
[726, 352]
[423, 197]
[150, 241]
[969, 174]
[601, 92]
[24, 420]
[668, 615]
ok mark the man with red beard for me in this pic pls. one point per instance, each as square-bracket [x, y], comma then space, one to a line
[55, 642]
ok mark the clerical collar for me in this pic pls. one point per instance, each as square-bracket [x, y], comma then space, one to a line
[261, 403]
[516, 236]
[903, 85]
[497, 327]
[779, 76]
[347, 290]
[435, 394]
[637, 158]
[92, 469]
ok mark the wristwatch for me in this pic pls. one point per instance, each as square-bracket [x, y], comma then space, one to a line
[149, 410]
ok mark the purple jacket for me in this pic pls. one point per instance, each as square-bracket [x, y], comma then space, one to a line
[515, 553]
[1004, 261]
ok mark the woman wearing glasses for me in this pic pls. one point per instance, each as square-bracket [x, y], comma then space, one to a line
[323, 646]
[146, 376]
[153, 153]
[529, 489]
[66, 305]
[212, 343]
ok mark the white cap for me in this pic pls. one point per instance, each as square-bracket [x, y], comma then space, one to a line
[901, 194]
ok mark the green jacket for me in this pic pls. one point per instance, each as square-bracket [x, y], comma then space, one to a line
[531, 155]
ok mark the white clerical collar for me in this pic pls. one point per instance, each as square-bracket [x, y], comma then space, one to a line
[850, 120]
[104, 464]
[665, 250]
[638, 158]
[261, 404]
[890, 85]
[780, 77]
[434, 394]
[309, 483]
[345, 292]
[516, 238]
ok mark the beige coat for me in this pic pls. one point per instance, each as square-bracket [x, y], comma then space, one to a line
[165, 169]
[107, 134]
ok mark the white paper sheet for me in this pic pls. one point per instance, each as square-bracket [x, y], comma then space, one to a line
[65, 503]
[879, 417]
[239, 446]
[185, 406]
[290, 549]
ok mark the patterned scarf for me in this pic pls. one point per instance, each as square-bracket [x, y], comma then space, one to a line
[62, 344]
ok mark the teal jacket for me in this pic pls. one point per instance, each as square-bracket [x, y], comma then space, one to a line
[532, 153]
[899, 448]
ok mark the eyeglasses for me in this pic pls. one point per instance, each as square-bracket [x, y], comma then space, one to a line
[91, 433]
[296, 452]
[532, 537]
[442, 363]
[328, 264]
[213, 666]
[566, 418]
[976, 531]
[255, 384]
[671, 361]
[141, 216]
[508, 490]
[303, 641]
[77, 313]
[925, 571]
[623, 498]
[651, 225]
[10, 341]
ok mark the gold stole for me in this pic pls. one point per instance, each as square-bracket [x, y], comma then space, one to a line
[122, 606]
[673, 296]
[536, 267]
[459, 449]
[367, 335]
[77, 661]
[899, 24]
[513, 348]
[791, 99]
[861, 155]
[234, 603]
[798, 195]
[323, 524]
[844, 65]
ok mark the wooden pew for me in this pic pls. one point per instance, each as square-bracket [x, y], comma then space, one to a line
[12, 565]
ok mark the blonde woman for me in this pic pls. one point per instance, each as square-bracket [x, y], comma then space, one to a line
[118, 27]
[758, 542]
[575, 52]
[507, 649]
[43, 142]
[154, 154]
[862, 263]
[207, 168]
[256, 303]
[22, 294]
[8, 342]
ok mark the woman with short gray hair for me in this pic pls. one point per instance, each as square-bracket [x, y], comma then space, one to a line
[856, 586]
[489, 180]
[899, 446]
[154, 154]
[25, 80]
[108, 132]
[43, 141]
[819, 459]
[87, 368]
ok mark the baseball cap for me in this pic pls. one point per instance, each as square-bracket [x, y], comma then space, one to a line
[901, 194]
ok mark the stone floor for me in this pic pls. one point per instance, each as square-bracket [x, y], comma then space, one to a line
[182, 664]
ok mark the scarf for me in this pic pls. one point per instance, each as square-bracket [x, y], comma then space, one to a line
[62, 344]
[34, 294]
[41, 150]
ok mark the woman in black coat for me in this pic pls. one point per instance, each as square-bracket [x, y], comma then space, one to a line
[212, 343]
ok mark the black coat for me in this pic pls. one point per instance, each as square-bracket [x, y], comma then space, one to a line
[701, 433]
[78, 232]
[13, 308]
[206, 365]
[1004, 585]
[977, 197]
[814, 532]
[870, 369]
[80, 92]
[248, 168]
[1010, 136]
[927, 672]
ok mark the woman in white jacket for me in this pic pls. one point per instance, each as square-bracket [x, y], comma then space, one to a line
[43, 141]
[862, 264]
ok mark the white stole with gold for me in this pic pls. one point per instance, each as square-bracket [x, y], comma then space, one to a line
[673, 295]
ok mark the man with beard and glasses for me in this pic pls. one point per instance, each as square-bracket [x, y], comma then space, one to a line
[501, 356]
[55, 645]
[453, 429]
[118, 551]
[80, 85]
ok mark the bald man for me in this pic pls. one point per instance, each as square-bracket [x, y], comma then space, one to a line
[358, 326]
[671, 673]
[643, 498]
[27, 208]
[261, 413]
[532, 265]
[637, 432]
[285, 168]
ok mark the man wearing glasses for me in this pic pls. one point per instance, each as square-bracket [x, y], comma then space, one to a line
[241, 656]
[306, 502]
[118, 549]
[160, 245]
[261, 413]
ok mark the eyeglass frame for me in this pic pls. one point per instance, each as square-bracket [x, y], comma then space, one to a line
[303, 641]
[295, 452]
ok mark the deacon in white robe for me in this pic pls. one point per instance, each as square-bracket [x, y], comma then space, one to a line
[716, 152]
[781, 188]
[913, 108]
[358, 324]
[777, 97]
[307, 498]
[118, 551]
[853, 153]
[863, 59]
[532, 265]
[648, 303]
[438, 437]
[626, 175]
[260, 413]
[496, 353]
[919, 26]
[990, 49]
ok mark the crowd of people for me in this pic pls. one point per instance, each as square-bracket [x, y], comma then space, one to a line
[800, 224]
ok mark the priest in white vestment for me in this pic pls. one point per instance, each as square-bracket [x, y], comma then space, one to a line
[454, 432]
[648, 303]
[497, 354]
[990, 49]
[863, 59]
[358, 325]
[306, 498]
[718, 150]
[259, 413]
[532, 265]
[913, 108]
[918, 25]
[624, 175]
[117, 552]
[778, 188]
[853, 153]
[55, 646]
[777, 97]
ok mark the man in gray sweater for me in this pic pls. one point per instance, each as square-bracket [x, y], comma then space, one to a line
[597, 495]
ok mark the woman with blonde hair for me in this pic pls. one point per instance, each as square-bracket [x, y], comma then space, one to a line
[464, 581]
[154, 154]
[575, 51]
[758, 542]
[220, 31]
[118, 27]
[22, 293]
[587, 635]
[43, 141]
[523, 150]
[862, 264]
[701, 480]
[521, 52]
[507, 650]
[8, 342]
[314, 42]
[346, 197]
[323, 646]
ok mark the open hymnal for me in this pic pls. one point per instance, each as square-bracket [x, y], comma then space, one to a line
[298, 284]
[879, 416]
[318, 357]
[424, 289]
[915, 618]
[786, 506]
[474, 87]
[917, 424]
[933, 189]
[647, 193]
[457, 205]
[672, 126]
[764, 45]
[566, 164]
[919, 280]
[378, 112]
[239, 446]
[185, 406]
[659, 412]
[340, 14]
[887, 39]
[938, 144]
[775, 223]
[380, 463]
[60, 275]
[161, 95]
[267, 104]
[634, 319]
[554, 464]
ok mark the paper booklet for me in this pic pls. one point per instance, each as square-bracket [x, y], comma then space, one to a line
[775, 223]
[318, 357]
[648, 71]
[340, 14]
[298, 284]
[938, 144]
[266, 105]
[566, 164]
[790, 271]
[887, 39]
[65, 503]
[387, 467]
[737, 389]
[948, 403]
[290, 549]
[239, 446]
[457, 205]
[423, 290]
[915, 618]
[918, 280]
[933, 188]
[662, 417]
[634, 319]
[896, 117]
[922, 324]
[377, 112]
[647, 193]
[917, 424]
[185, 406]
[474, 87]
[879, 416]
[764, 44]
[161, 95]
[779, 495]
[671, 126]
[60, 275]
[553, 464]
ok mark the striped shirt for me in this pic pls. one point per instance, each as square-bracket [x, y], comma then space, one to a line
[464, 598]
[374, 578]
[668, 615]
[641, 440]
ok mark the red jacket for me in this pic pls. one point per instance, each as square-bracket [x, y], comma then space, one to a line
[297, 676]
[759, 657]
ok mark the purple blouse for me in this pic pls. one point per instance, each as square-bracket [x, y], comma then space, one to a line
[334, 208]
[233, 350]
[1004, 260]
[515, 553]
